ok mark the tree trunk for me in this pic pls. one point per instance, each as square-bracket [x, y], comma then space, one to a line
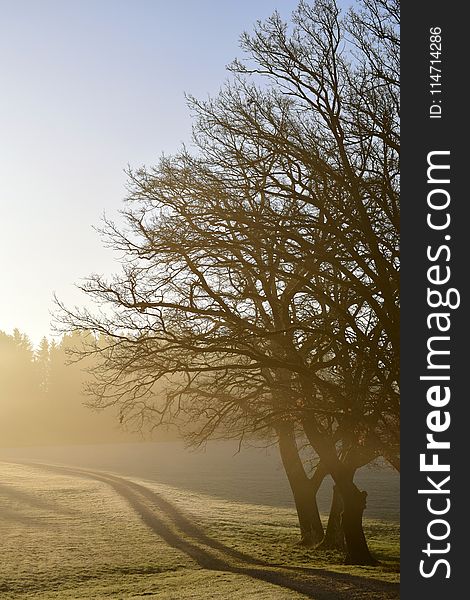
[334, 535]
[354, 503]
[357, 550]
[303, 489]
[311, 527]
[354, 500]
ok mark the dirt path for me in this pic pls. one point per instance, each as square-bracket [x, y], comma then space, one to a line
[171, 524]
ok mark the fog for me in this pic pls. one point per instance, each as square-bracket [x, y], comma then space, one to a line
[41, 400]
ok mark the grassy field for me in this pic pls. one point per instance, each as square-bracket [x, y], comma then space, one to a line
[75, 534]
[251, 476]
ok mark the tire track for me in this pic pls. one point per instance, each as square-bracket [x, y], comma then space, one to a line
[173, 526]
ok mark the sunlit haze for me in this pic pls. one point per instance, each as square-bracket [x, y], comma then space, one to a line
[217, 412]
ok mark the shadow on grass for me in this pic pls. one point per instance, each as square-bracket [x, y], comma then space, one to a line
[32, 501]
[171, 524]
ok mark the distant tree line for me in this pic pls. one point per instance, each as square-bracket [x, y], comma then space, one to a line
[41, 399]
[259, 287]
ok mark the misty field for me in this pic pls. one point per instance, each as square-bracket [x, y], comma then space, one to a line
[86, 534]
[253, 475]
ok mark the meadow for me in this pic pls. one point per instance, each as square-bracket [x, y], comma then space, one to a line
[72, 532]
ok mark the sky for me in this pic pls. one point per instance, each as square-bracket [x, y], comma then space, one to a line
[88, 87]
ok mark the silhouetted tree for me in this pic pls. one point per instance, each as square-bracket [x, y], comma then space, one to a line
[260, 277]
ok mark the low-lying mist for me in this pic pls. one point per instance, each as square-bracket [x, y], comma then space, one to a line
[41, 400]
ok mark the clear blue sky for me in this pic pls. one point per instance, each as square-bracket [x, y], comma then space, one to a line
[89, 86]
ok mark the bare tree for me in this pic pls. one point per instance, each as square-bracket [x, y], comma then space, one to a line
[260, 277]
